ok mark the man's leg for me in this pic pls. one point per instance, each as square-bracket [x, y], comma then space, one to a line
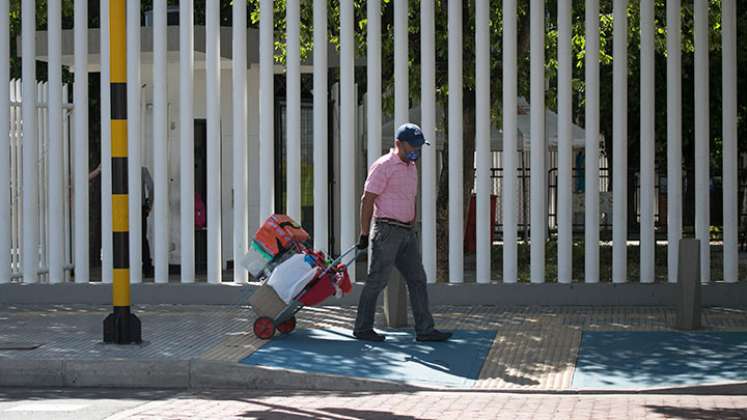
[384, 245]
[409, 263]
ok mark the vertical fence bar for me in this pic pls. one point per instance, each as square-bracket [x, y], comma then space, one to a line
[401, 94]
[482, 139]
[456, 175]
[620, 142]
[160, 144]
[509, 219]
[674, 137]
[702, 138]
[14, 175]
[538, 187]
[80, 174]
[240, 213]
[428, 113]
[565, 141]
[41, 118]
[186, 144]
[373, 81]
[730, 186]
[106, 147]
[67, 181]
[347, 128]
[648, 143]
[321, 187]
[266, 116]
[17, 154]
[133, 140]
[373, 78]
[591, 165]
[293, 107]
[401, 79]
[30, 254]
[5, 144]
[212, 74]
[54, 110]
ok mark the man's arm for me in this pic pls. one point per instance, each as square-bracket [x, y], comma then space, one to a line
[367, 208]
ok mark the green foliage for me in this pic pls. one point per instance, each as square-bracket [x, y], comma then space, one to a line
[606, 24]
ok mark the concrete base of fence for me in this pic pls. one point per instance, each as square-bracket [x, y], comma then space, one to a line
[600, 294]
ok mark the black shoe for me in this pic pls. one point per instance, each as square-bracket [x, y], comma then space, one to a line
[369, 335]
[434, 335]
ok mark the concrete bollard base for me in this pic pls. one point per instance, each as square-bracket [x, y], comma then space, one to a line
[395, 301]
[688, 285]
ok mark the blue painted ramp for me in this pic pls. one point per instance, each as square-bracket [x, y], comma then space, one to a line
[400, 358]
[624, 360]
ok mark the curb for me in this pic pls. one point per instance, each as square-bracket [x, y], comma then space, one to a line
[177, 374]
[196, 374]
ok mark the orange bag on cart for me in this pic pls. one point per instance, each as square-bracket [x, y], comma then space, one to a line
[278, 232]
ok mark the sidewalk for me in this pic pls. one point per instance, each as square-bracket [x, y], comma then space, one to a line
[535, 348]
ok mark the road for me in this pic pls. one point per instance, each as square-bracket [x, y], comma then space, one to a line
[116, 404]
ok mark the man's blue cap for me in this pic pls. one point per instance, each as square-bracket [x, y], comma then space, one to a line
[412, 134]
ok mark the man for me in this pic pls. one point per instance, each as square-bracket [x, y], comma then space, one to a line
[147, 205]
[389, 196]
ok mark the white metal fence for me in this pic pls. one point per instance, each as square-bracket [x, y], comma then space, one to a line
[27, 202]
[41, 164]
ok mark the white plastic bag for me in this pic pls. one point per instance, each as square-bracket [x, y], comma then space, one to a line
[254, 262]
[290, 277]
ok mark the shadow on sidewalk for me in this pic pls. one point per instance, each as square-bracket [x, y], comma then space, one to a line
[281, 412]
[699, 413]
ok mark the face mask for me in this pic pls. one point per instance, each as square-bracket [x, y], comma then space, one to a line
[413, 155]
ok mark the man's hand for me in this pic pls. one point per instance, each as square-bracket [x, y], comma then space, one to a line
[362, 242]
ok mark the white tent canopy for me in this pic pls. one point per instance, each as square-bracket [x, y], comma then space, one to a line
[524, 126]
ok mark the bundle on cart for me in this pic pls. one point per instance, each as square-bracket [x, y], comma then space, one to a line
[292, 274]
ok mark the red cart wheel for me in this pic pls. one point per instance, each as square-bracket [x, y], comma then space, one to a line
[264, 328]
[287, 326]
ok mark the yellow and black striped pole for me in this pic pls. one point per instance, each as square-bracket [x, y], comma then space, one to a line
[121, 326]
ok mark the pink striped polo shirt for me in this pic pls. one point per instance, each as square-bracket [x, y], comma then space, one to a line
[395, 183]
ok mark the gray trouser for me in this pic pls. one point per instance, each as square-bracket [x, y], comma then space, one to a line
[394, 246]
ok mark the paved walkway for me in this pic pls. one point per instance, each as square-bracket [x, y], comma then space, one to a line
[535, 348]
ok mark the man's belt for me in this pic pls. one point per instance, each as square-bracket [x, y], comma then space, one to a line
[394, 222]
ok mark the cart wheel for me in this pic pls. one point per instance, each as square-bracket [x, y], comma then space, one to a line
[264, 328]
[287, 326]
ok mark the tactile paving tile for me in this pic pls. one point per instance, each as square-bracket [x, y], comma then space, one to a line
[535, 347]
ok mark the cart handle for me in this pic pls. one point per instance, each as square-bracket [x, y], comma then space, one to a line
[339, 259]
